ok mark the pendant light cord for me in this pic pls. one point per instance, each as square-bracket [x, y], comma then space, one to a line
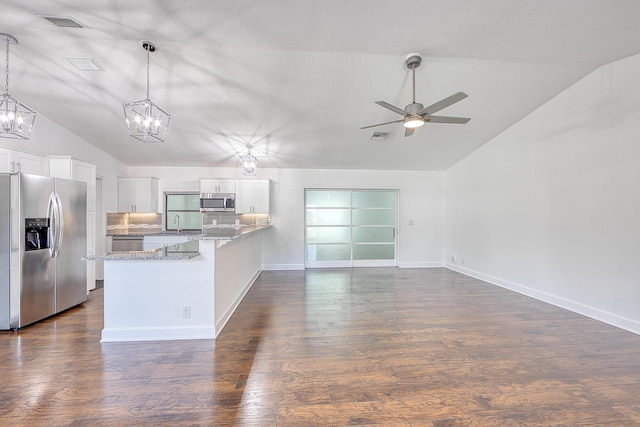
[148, 49]
[6, 84]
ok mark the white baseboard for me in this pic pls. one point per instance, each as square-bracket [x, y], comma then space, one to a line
[285, 267]
[609, 318]
[276, 267]
[420, 264]
[158, 334]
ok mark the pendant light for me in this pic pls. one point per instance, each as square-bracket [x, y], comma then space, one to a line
[16, 119]
[145, 120]
[249, 162]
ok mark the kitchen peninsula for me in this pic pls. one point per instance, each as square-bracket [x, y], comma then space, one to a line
[182, 291]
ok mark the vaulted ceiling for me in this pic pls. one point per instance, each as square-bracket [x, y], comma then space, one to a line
[297, 79]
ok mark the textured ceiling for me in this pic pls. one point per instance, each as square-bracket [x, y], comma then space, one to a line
[297, 79]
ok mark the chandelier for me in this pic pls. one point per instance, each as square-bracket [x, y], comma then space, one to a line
[16, 119]
[249, 162]
[145, 120]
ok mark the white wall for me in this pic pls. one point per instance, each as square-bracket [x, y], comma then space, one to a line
[49, 138]
[421, 200]
[551, 207]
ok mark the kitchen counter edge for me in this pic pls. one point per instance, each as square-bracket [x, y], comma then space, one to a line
[162, 254]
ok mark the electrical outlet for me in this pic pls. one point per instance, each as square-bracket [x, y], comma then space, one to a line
[186, 312]
[453, 259]
[410, 222]
[462, 261]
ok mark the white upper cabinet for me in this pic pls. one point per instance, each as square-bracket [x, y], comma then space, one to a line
[252, 196]
[217, 186]
[69, 168]
[12, 161]
[5, 161]
[138, 195]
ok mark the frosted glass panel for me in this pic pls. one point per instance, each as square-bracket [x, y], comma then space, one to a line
[329, 252]
[328, 216]
[374, 217]
[373, 234]
[328, 198]
[188, 221]
[183, 202]
[328, 234]
[345, 226]
[367, 252]
[374, 199]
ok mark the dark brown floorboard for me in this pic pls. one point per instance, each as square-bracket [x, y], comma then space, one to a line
[346, 347]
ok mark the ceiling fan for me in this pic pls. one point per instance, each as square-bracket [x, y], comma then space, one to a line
[416, 114]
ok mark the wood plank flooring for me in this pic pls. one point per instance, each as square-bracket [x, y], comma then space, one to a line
[345, 347]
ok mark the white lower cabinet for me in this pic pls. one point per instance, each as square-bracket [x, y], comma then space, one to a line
[91, 250]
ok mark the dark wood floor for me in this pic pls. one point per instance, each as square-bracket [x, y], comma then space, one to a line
[409, 347]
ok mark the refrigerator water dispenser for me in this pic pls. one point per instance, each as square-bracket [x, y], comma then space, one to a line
[36, 234]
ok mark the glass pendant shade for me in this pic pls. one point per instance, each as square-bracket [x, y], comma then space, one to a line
[145, 120]
[16, 119]
[249, 163]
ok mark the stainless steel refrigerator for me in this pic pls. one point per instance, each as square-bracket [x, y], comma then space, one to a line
[43, 237]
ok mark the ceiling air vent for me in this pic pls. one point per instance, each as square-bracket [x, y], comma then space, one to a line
[379, 136]
[85, 64]
[62, 22]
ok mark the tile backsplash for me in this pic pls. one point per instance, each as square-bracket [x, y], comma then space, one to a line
[230, 218]
[133, 223]
[119, 223]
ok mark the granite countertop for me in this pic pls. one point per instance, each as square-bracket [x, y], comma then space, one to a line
[227, 232]
[186, 250]
[153, 232]
[181, 251]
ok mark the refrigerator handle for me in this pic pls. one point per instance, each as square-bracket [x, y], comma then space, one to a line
[51, 214]
[60, 231]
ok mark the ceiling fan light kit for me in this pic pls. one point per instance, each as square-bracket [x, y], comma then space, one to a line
[416, 114]
[16, 119]
[413, 122]
[145, 120]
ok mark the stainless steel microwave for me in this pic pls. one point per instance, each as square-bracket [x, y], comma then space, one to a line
[217, 202]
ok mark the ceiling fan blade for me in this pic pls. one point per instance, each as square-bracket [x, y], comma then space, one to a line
[392, 108]
[443, 103]
[447, 119]
[408, 131]
[380, 124]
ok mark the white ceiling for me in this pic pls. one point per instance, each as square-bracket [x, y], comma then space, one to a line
[297, 79]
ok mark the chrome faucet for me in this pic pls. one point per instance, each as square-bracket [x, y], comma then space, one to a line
[176, 220]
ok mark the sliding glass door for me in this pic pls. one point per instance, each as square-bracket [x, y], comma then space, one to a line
[350, 228]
